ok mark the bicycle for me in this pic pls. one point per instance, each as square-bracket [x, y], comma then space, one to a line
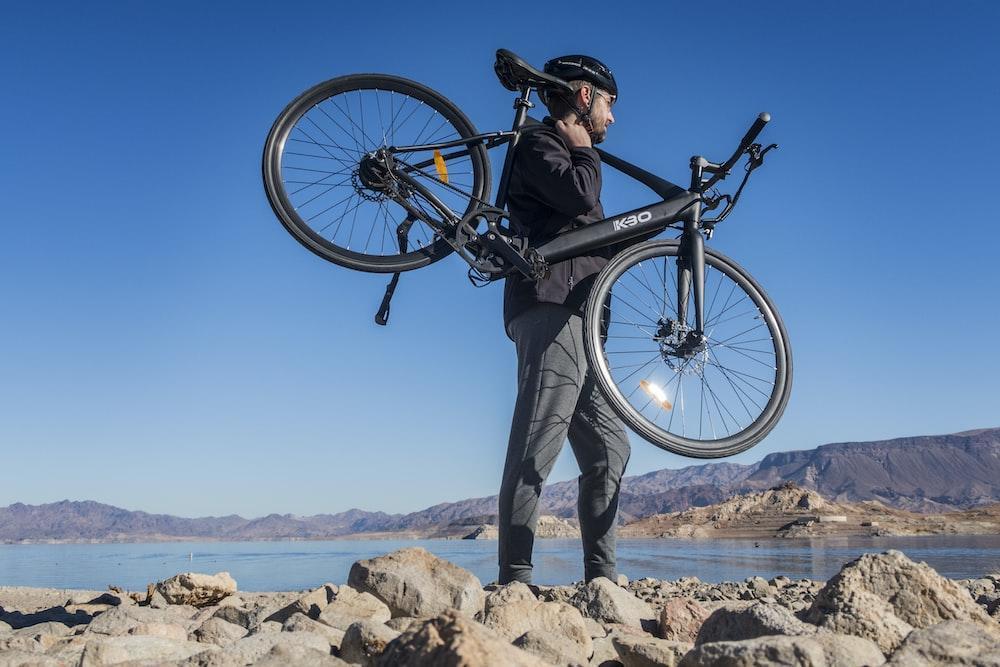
[414, 171]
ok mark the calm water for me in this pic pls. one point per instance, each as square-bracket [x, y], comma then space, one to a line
[276, 566]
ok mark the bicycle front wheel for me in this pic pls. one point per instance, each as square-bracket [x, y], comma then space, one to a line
[706, 401]
[313, 180]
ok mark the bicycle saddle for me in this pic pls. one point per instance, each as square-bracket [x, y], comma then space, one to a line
[515, 73]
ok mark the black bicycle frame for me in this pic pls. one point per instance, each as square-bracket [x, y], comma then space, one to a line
[677, 206]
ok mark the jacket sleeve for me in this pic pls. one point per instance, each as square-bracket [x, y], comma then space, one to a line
[568, 181]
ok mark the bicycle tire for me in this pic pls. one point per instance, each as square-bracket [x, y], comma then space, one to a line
[324, 102]
[597, 327]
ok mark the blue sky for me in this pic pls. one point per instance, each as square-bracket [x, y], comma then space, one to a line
[165, 345]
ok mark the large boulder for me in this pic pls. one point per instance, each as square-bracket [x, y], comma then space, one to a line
[310, 604]
[513, 619]
[251, 649]
[365, 641]
[119, 620]
[680, 619]
[455, 640]
[819, 650]
[349, 606]
[284, 654]
[948, 643]
[913, 593]
[415, 582]
[555, 649]
[636, 651]
[18, 658]
[111, 650]
[864, 614]
[515, 591]
[195, 589]
[918, 595]
[217, 631]
[604, 601]
[301, 623]
[757, 620]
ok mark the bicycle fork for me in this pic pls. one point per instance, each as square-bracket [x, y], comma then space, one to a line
[691, 271]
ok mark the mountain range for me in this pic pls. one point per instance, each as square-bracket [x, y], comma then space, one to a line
[921, 473]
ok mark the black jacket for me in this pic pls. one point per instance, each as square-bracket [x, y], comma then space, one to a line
[553, 189]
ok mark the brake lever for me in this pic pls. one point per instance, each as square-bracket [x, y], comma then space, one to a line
[757, 155]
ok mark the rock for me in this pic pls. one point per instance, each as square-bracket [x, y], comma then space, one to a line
[622, 581]
[415, 582]
[220, 632]
[758, 587]
[119, 620]
[266, 627]
[252, 614]
[310, 604]
[162, 630]
[112, 650]
[515, 618]
[756, 620]
[299, 622]
[365, 641]
[680, 619]
[512, 592]
[774, 650]
[847, 650]
[283, 655]
[864, 614]
[155, 600]
[349, 606]
[914, 593]
[454, 639]
[402, 623]
[605, 654]
[594, 629]
[636, 651]
[4, 628]
[603, 601]
[553, 648]
[15, 658]
[252, 648]
[196, 589]
[948, 643]
[45, 628]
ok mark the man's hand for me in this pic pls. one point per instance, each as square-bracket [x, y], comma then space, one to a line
[575, 135]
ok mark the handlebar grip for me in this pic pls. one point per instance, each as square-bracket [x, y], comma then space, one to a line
[763, 119]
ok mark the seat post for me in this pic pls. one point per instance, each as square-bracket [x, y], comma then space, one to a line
[521, 105]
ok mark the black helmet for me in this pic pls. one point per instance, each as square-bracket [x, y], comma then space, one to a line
[570, 68]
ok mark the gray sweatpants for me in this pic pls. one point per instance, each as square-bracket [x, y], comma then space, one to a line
[558, 396]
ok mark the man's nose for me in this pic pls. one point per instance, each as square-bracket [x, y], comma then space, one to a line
[611, 118]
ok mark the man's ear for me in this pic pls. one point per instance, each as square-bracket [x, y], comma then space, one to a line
[583, 97]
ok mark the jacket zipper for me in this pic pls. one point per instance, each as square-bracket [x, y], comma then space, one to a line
[571, 274]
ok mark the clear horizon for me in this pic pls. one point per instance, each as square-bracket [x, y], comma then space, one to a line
[167, 346]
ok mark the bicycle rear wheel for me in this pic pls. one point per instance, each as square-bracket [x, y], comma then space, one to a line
[311, 173]
[707, 403]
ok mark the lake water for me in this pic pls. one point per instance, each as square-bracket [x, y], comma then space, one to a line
[280, 566]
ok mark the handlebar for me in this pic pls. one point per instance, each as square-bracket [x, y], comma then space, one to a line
[721, 170]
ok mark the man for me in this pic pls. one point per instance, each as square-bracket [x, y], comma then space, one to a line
[555, 185]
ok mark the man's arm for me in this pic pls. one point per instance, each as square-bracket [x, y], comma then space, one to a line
[569, 181]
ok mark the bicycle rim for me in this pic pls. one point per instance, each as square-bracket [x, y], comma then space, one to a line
[312, 170]
[713, 403]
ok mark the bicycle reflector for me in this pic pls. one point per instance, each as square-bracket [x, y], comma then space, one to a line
[656, 393]
[442, 168]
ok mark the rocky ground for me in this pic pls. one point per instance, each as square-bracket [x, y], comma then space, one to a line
[411, 608]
